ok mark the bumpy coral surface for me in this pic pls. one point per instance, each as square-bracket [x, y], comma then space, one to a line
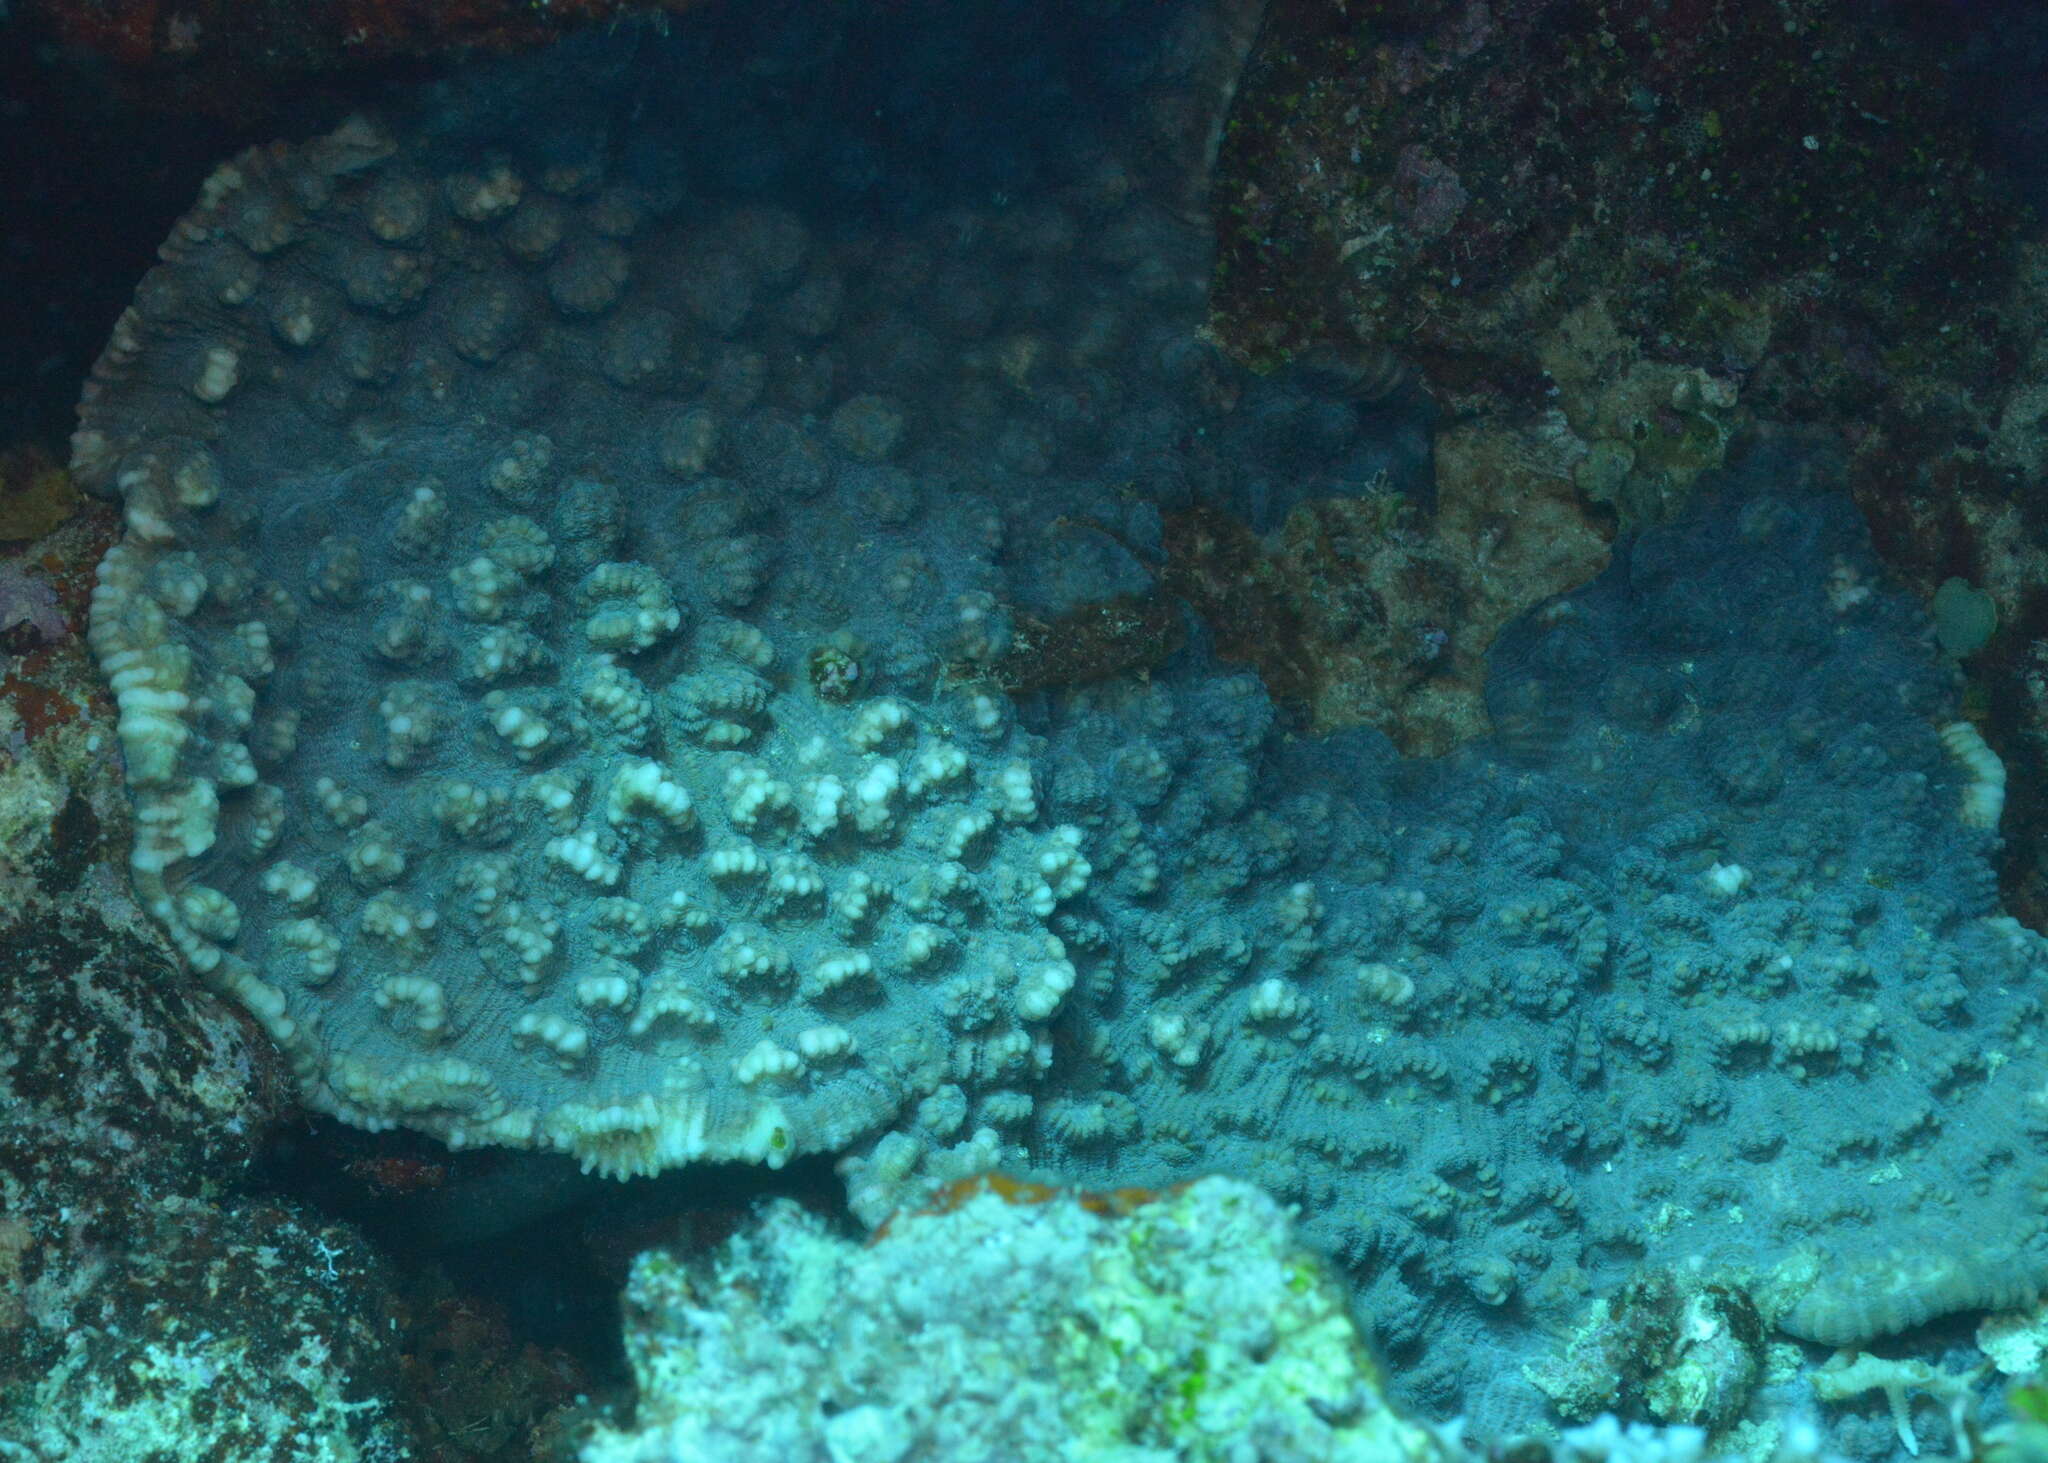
[1699, 958]
[1193, 1326]
[574, 577]
[547, 628]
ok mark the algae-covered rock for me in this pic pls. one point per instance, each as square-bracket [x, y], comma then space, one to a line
[36, 493]
[1018, 1324]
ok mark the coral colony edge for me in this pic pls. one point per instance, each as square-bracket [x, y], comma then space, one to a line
[653, 622]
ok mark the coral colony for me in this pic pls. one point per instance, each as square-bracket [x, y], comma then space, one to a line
[656, 622]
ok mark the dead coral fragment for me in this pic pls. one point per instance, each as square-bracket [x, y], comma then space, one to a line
[1127, 635]
[1688, 1348]
[1359, 610]
[1364, 611]
[1849, 1374]
[834, 671]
